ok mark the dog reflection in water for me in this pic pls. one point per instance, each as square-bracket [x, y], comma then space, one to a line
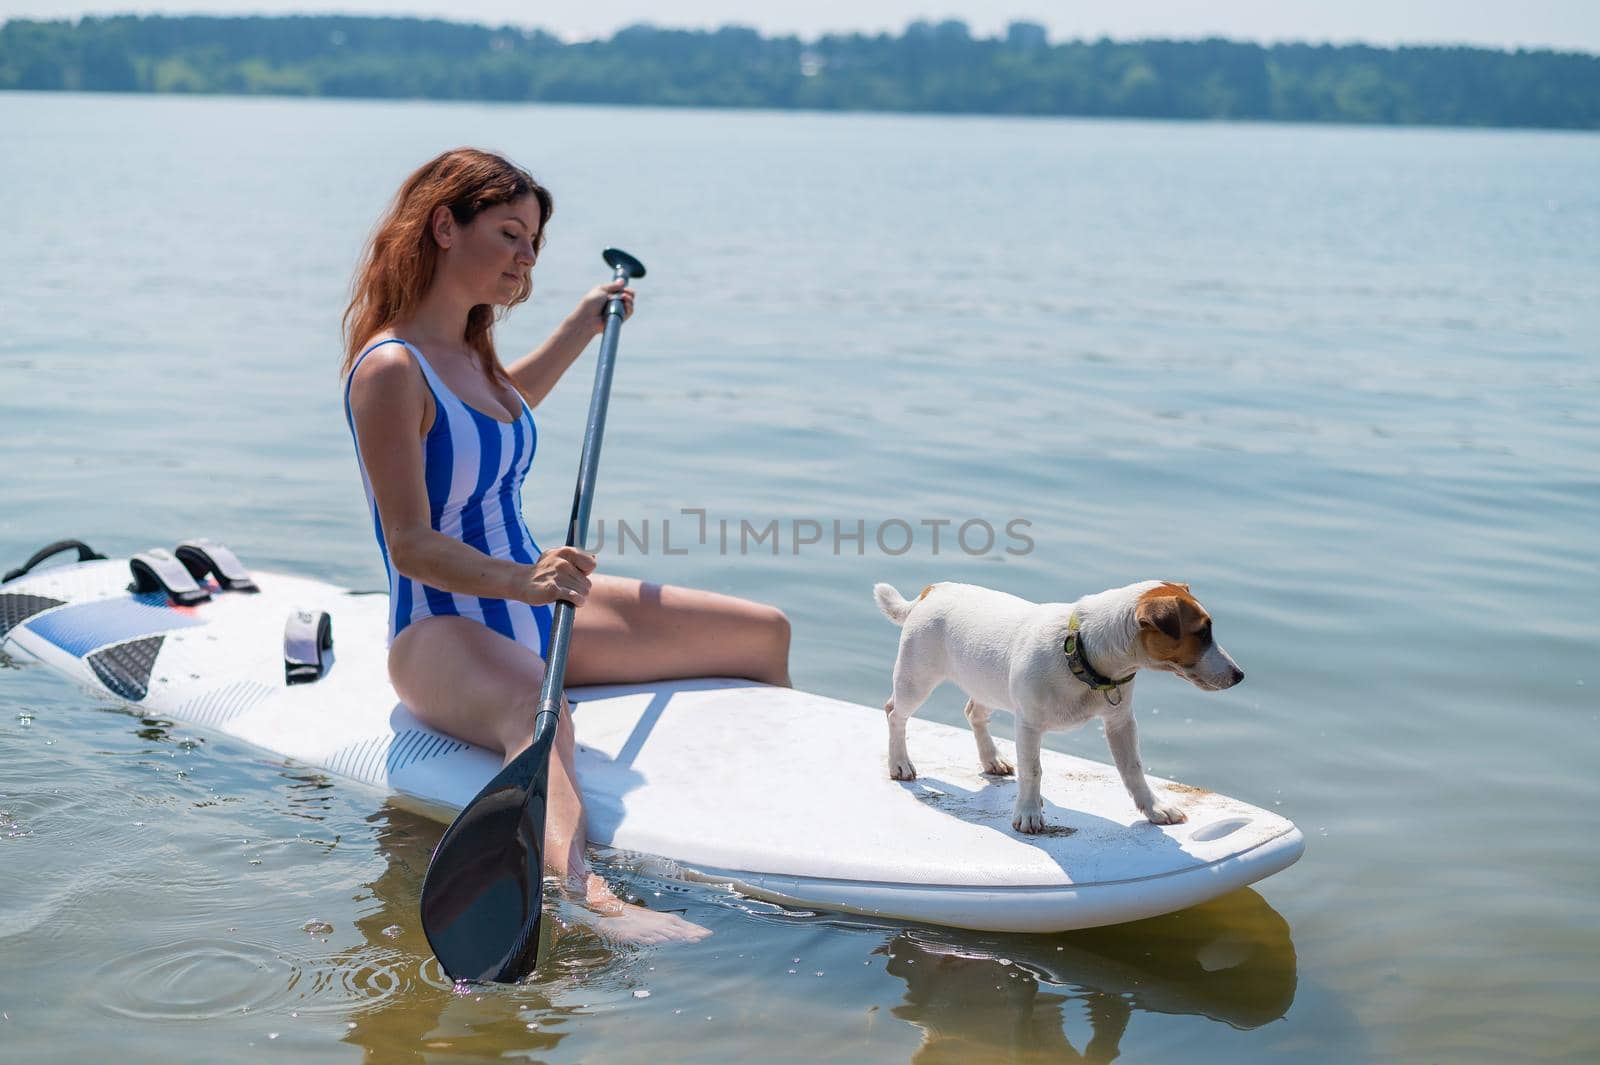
[969, 1008]
[981, 997]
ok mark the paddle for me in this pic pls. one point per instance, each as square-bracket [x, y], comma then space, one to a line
[481, 896]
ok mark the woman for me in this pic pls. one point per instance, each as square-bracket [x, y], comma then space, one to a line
[444, 436]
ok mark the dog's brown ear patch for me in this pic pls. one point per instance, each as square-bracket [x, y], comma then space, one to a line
[1160, 613]
[1172, 625]
[925, 592]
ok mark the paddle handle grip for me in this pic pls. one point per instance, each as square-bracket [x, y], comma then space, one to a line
[583, 498]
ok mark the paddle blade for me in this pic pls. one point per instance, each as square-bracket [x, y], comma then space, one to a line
[481, 896]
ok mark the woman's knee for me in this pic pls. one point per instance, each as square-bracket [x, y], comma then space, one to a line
[516, 724]
[522, 717]
[776, 632]
[519, 682]
[758, 634]
[566, 736]
[774, 625]
[783, 634]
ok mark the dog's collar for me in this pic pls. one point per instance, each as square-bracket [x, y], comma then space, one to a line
[1078, 662]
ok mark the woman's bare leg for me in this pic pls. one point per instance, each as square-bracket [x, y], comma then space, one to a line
[634, 631]
[468, 681]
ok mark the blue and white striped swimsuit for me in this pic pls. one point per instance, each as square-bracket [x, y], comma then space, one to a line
[474, 466]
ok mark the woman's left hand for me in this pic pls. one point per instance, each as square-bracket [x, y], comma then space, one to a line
[592, 308]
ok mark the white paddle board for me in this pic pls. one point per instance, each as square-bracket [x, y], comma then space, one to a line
[783, 794]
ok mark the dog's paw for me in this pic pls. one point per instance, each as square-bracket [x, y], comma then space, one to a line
[1161, 813]
[1029, 821]
[999, 767]
[902, 769]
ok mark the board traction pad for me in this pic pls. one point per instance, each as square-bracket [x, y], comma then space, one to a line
[15, 608]
[125, 667]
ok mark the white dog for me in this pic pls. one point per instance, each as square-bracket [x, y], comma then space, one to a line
[1054, 665]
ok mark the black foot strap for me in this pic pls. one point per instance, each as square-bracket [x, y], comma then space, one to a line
[203, 558]
[156, 570]
[307, 646]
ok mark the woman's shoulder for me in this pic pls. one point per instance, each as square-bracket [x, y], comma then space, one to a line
[385, 367]
[385, 341]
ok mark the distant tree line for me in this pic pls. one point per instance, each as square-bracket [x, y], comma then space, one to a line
[930, 67]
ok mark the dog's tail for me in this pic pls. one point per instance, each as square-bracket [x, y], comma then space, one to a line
[894, 605]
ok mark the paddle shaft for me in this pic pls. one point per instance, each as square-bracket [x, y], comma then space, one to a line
[555, 669]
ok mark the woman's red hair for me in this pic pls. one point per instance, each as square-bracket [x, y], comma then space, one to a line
[399, 262]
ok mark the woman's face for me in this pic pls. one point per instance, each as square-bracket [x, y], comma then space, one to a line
[493, 254]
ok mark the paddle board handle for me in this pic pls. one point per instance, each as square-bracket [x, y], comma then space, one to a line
[624, 267]
[85, 554]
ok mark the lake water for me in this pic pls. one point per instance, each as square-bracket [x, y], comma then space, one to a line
[1342, 381]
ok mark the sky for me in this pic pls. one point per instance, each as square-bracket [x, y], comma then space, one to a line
[1572, 25]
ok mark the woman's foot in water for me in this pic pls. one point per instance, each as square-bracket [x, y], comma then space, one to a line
[629, 923]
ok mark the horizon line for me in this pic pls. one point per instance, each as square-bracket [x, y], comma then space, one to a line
[1052, 41]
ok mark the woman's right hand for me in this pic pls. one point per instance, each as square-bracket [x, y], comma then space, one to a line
[560, 573]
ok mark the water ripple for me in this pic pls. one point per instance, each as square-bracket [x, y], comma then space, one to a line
[203, 978]
[357, 980]
[195, 979]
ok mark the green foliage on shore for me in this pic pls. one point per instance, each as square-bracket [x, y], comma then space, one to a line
[930, 67]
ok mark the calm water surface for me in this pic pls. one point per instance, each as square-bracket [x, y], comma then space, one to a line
[1342, 381]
